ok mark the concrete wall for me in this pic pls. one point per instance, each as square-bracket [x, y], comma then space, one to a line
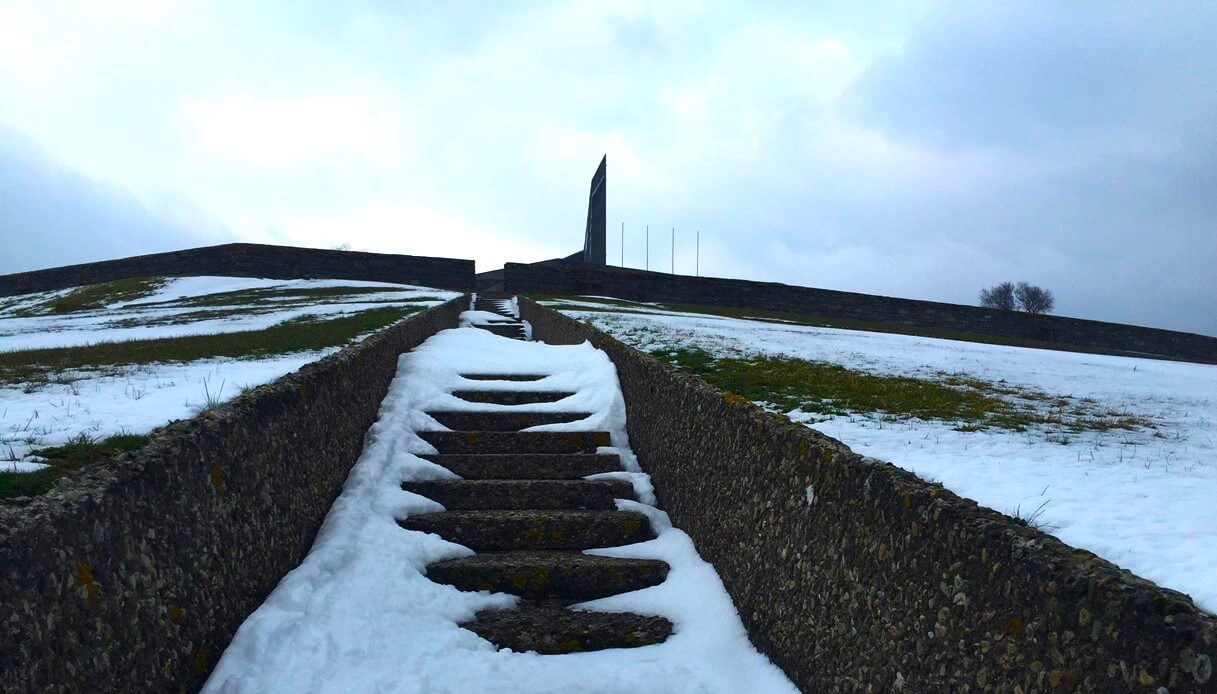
[854, 575]
[253, 260]
[640, 285]
[133, 574]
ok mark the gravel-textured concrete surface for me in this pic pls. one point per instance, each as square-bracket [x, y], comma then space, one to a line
[534, 529]
[541, 574]
[517, 466]
[458, 495]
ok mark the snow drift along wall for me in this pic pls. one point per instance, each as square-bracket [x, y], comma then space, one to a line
[1037, 330]
[134, 574]
[253, 260]
[854, 575]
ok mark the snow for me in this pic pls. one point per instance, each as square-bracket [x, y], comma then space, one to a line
[111, 324]
[138, 399]
[133, 402]
[1141, 499]
[359, 614]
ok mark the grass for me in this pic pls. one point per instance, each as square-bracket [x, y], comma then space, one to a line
[97, 296]
[64, 460]
[786, 383]
[299, 335]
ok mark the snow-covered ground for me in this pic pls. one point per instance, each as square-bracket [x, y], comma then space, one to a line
[137, 399]
[1141, 498]
[360, 615]
[169, 312]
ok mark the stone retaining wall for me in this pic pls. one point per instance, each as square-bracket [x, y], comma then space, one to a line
[639, 285]
[253, 260]
[854, 575]
[134, 574]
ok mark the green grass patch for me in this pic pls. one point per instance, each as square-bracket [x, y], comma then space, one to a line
[97, 296]
[64, 460]
[300, 335]
[786, 383]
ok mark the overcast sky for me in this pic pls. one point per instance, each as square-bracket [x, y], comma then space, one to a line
[910, 149]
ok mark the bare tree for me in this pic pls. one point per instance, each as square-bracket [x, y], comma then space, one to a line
[1033, 299]
[999, 296]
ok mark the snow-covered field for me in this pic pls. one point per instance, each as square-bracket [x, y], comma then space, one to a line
[359, 614]
[1141, 498]
[135, 399]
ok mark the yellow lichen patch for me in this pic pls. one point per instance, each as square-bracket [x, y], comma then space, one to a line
[557, 536]
[1145, 679]
[735, 400]
[217, 478]
[175, 613]
[519, 580]
[570, 646]
[632, 525]
[602, 438]
[471, 438]
[1054, 678]
[576, 440]
[1014, 628]
[906, 501]
[84, 579]
[1084, 617]
[540, 575]
[200, 660]
[803, 449]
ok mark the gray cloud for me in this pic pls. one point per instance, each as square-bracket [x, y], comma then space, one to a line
[920, 151]
[51, 215]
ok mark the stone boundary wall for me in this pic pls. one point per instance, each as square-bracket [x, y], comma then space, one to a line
[854, 575]
[133, 574]
[640, 285]
[253, 260]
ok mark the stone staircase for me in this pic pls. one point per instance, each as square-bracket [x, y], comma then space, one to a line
[510, 326]
[524, 508]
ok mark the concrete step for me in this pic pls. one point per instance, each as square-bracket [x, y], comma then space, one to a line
[458, 420]
[503, 377]
[526, 466]
[458, 495]
[550, 529]
[511, 397]
[512, 330]
[549, 575]
[516, 441]
[551, 629]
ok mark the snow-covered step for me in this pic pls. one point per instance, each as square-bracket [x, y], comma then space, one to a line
[516, 441]
[504, 377]
[462, 420]
[511, 397]
[551, 629]
[523, 466]
[510, 329]
[458, 495]
[534, 529]
[538, 575]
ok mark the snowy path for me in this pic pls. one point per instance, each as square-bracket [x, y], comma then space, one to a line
[360, 614]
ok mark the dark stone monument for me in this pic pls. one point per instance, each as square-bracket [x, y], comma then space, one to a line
[594, 236]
